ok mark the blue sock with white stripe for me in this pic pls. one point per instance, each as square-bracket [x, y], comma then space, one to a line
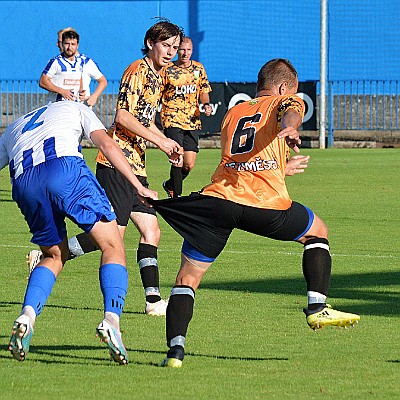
[114, 285]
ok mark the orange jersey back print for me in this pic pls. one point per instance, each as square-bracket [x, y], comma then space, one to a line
[252, 167]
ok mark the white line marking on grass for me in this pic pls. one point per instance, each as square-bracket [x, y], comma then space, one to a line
[386, 256]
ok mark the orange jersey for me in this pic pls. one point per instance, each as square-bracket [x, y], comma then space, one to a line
[139, 93]
[252, 168]
[180, 101]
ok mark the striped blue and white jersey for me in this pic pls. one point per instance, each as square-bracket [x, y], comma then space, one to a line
[52, 131]
[68, 74]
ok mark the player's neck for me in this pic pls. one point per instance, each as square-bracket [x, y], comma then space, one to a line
[151, 64]
[183, 64]
[70, 58]
[265, 92]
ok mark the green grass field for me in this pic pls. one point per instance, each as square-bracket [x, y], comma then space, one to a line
[248, 338]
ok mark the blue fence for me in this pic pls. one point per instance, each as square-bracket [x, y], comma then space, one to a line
[352, 105]
[363, 105]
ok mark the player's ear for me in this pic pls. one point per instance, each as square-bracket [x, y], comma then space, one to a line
[150, 44]
[283, 88]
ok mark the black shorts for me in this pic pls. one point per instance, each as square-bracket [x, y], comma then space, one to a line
[206, 222]
[189, 140]
[122, 195]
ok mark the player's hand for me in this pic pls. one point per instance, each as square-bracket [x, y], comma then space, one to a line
[67, 94]
[296, 165]
[91, 100]
[176, 159]
[171, 148]
[292, 138]
[145, 193]
[82, 95]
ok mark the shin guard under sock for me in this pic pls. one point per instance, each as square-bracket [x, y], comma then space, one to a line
[148, 265]
[114, 285]
[176, 180]
[40, 285]
[80, 244]
[317, 264]
[179, 314]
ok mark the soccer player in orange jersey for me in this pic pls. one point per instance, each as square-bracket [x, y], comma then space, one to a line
[248, 192]
[185, 84]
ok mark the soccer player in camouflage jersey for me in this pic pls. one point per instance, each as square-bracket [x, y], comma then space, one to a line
[138, 99]
[185, 84]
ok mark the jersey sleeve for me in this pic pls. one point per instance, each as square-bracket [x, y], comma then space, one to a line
[92, 69]
[127, 97]
[205, 86]
[51, 68]
[90, 122]
[291, 102]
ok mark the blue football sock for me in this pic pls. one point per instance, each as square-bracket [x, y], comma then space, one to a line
[114, 285]
[39, 288]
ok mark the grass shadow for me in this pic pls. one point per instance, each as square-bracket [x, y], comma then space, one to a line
[71, 355]
[64, 307]
[370, 290]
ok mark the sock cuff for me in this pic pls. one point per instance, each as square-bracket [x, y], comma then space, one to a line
[146, 250]
[315, 297]
[43, 278]
[148, 262]
[316, 243]
[183, 290]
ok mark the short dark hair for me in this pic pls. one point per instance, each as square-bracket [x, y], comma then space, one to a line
[70, 34]
[275, 72]
[160, 31]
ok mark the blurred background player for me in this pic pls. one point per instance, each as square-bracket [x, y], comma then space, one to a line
[67, 76]
[185, 84]
[248, 192]
[59, 37]
[138, 99]
[51, 181]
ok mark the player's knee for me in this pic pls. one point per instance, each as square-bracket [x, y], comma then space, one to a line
[152, 238]
[187, 167]
[318, 229]
[150, 233]
[193, 266]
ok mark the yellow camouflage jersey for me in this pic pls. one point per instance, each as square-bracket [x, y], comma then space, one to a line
[253, 163]
[139, 93]
[182, 88]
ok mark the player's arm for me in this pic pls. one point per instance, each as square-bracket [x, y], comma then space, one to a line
[101, 85]
[114, 154]
[205, 100]
[130, 122]
[46, 83]
[291, 121]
